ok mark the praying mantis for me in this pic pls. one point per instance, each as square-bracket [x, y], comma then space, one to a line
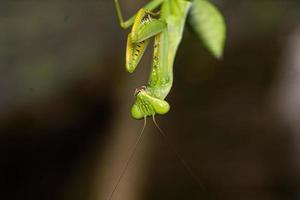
[166, 27]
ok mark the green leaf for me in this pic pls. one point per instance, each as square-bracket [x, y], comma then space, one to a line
[209, 25]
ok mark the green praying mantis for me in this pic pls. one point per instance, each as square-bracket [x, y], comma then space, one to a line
[166, 26]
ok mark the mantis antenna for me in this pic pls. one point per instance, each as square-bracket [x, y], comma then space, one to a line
[179, 157]
[133, 151]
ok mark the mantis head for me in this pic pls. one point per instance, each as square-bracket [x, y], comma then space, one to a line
[147, 105]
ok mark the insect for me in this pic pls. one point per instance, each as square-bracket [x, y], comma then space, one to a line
[166, 27]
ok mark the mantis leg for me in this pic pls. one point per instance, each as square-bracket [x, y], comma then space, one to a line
[134, 53]
[126, 24]
[147, 29]
[143, 29]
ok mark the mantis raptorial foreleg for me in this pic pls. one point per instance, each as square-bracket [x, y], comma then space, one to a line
[144, 27]
[147, 29]
[134, 53]
[126, 24]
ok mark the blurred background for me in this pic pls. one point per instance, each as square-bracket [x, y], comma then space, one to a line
[65, 98]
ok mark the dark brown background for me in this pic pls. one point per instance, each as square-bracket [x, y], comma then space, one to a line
[65, 97]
